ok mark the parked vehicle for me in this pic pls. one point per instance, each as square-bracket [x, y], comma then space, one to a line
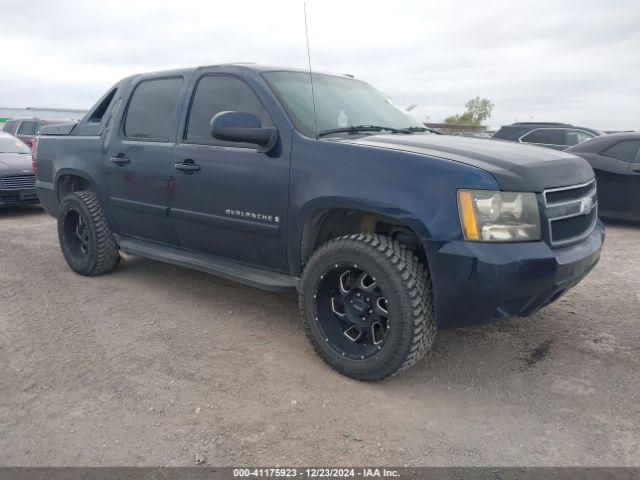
[471, 134]
[26, 129]
[558, 136]
[17, 180]
[615, 159]
[388, 232]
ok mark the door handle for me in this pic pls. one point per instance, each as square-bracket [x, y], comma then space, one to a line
[637, 170]
[119, 159]
[188, 166]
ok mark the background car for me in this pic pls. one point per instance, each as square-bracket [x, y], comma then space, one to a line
[559, 136]
[471, 134]
[26, 129]
[17, 179]
[616, 160]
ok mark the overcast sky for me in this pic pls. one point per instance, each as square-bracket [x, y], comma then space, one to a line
[570, 61]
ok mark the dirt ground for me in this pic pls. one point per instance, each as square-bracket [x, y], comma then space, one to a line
[160, 365]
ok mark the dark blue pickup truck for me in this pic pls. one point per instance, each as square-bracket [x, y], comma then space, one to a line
[387, 231]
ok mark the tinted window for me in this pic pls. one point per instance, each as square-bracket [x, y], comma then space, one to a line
[219, 94]
[100, 110]
[27, 128]
[9, 126]
[575, 137]
[626, 150]
[548, 136]
[152, 109]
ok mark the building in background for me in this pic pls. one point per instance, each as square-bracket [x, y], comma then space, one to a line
[46, 113]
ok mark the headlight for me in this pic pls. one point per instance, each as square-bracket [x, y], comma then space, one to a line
[488, 216]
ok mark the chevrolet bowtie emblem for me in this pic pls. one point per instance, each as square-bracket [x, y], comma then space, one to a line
[585, 205]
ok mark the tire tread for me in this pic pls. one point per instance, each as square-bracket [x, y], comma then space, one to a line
[417, 288]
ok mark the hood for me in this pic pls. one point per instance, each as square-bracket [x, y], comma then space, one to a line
[516, 167]
[15, 162]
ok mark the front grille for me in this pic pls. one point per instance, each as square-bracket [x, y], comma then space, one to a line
[18, 182]
[567, 229]
[571, 212]
[568, 194]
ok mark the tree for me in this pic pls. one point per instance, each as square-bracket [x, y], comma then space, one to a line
[477, 110]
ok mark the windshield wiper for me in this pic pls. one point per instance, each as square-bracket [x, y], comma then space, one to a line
[361, 128]
[422, 129]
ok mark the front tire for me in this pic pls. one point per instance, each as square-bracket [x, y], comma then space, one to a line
[86, 239]
[367, 307]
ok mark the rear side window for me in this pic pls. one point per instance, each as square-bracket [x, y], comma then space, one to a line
[152, 109]
[8, 127]
[220, 93]
[627, 150]
[101, 109]
[575, 137]
[27, 128]
[547, 136]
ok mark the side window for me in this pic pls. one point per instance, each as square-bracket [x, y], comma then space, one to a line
[152, 109]
[27, 128]
[219, 93]
[8, 126]
[575, 137]
[101, 109]
[627, 150]
[547, 136]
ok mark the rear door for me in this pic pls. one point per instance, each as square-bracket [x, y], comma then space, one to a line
[616, 176]
[235, 205]
[138, 160]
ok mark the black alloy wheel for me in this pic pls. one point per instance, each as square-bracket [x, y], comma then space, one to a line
[86, 238]
[366, 306]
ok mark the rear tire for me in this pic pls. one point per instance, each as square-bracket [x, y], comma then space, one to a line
[366, 306]
[86, 239]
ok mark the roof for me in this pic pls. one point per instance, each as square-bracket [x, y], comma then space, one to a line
[255, 67]
[40, 119]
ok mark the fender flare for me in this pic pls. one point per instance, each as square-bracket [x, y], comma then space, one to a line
[311, 215]
[76, 173]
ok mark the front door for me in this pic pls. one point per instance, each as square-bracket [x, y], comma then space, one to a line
[230, 200]
[138, 161]
[633, 183]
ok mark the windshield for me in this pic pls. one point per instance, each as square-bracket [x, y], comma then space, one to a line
[340, 103]
[12, 145]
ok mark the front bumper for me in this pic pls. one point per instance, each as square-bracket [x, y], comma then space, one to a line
[477, 283]
[14, 198]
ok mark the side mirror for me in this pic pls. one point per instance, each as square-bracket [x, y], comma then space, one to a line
[243, 128]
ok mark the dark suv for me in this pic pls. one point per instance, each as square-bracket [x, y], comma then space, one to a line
[388, 232]
[559, 136]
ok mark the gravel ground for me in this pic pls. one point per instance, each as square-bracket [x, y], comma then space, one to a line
[159, 365]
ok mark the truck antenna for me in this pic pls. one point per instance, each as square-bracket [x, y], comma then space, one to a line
[313, 95]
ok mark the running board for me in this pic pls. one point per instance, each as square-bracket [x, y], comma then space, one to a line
[221, 267]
